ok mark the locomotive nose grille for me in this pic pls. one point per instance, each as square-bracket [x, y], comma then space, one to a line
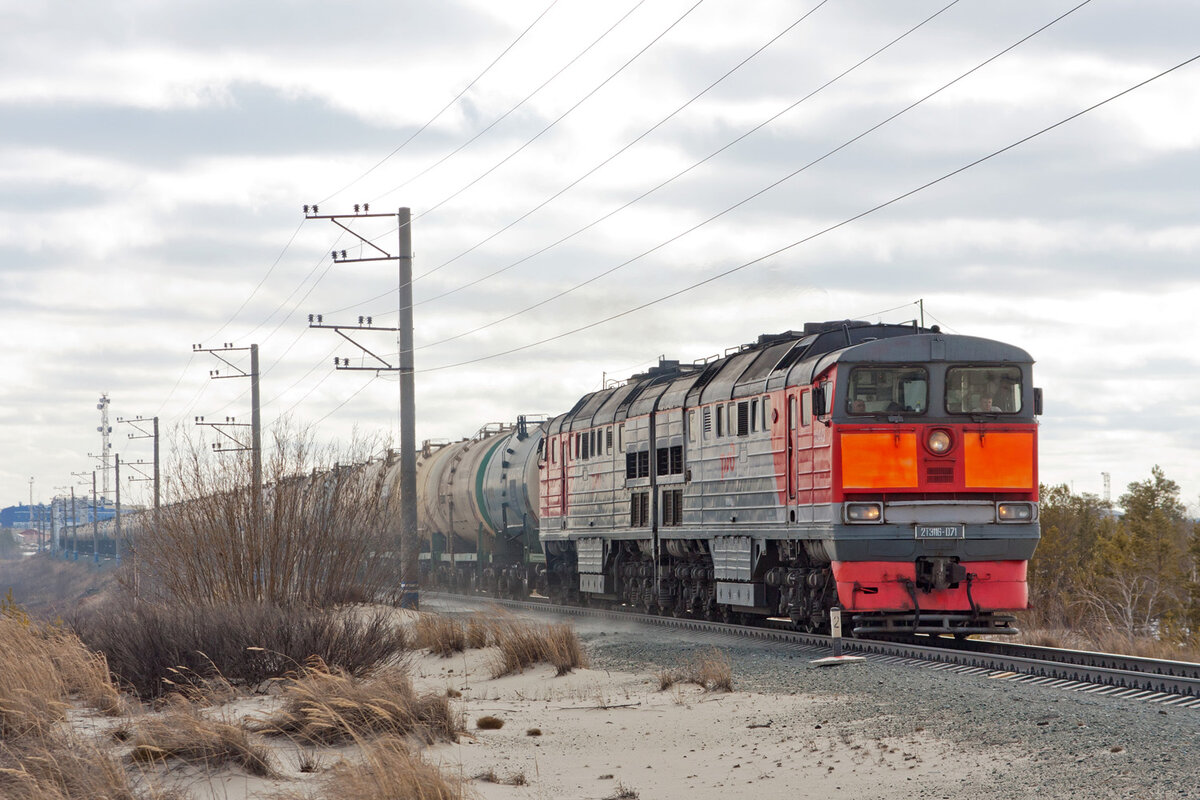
[939, 474]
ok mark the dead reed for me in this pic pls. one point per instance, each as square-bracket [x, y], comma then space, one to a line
[188, 736]
[439, 634]
[479, 632]
[709, 669]
[326, 706]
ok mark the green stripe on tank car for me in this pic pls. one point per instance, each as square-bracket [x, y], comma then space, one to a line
[480, 500]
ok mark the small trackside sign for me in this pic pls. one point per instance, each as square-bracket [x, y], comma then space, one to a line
[941, 531]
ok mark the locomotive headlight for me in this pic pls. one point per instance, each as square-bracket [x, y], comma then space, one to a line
[1014, 512]
[864, 512]
[939, 442]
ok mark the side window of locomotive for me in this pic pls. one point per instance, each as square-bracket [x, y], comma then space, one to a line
[766, 412]
[720, 421]
[805, 409]
[887, 390]
[983, 390]
[754, 415]
[691, 425]
[792, 412]
[608, 440]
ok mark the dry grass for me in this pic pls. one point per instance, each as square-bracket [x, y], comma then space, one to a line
[479, 632]
[522, 644]
[188, 736]
[709, 669]
[323, 706]
[68, 768]
[489, 723]
[43, 668]
[389, 770]
[439, 634]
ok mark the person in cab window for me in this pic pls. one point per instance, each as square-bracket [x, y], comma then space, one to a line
[858, 407]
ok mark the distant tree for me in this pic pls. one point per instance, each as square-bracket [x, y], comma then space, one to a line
[8, 544]
[1072, 525]
[1138, 576]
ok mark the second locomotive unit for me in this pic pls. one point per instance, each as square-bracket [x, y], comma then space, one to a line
[889, 470]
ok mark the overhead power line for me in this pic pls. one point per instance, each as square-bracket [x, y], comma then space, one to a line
[758, 193]
[446, 107]
[519, 103]
[821, 232]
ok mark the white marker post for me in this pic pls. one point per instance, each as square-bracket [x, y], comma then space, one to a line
[835, 625]
[835, 628]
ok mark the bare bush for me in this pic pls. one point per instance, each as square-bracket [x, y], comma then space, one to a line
[154, 650]
[489, 723]
[187, 736]
[439, 634]
[313, 536]
[323, 706]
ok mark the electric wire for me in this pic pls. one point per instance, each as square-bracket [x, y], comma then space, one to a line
[821, 232]
[758, 193]
[630, 144]
[642, 196]
[562, 116]
[446, 107]
[520, 103]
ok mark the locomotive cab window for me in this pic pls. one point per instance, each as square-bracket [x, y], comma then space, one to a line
[887, 390]
[983, 390]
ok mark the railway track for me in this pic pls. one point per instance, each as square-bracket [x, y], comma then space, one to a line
[1168, 683]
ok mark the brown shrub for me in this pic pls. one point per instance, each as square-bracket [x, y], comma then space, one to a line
[324, 706]
[489, 723]
[155, 649]
[440, 634]
[190, 737]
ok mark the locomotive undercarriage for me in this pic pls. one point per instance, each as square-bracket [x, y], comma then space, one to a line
[798, 585]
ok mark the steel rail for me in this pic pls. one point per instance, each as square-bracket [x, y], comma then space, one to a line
[1161, 680]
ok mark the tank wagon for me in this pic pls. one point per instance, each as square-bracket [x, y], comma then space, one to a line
[477, 509]
[888, 470]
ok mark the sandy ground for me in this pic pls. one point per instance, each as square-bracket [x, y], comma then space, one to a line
[595, 734]
[602, 733]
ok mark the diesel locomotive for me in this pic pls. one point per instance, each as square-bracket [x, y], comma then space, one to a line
[886, 470]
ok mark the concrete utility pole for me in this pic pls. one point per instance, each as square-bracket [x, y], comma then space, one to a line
[409, 546]
[255, 425]
[138, 424]
[74, 529]
[95, 525]
[117, 527]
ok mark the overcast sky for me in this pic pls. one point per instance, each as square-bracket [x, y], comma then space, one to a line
[154, 158]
